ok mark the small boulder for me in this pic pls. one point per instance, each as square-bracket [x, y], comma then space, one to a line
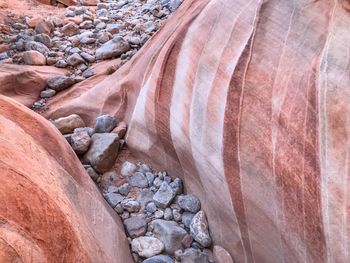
[68, 124]
[164, 195]
[200, 230]
[48, 93]
[159, 259]
[80, 141]
[105, 123]
[112, 48]
[128, 169]
[136, 226]
[70, 29]
[60, 83]
[75, 60]
[33, 45]
[131, 205]
[34, 57]
[191, 255]
[44, 27]
[147, 246]
[113, 198]
[138, 180]
[44, 39]
[169, 233]
[189, 203]
[103, 151]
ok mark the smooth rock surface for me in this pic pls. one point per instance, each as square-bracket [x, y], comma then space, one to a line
[147, 246]
[69, 123]
[34, 57]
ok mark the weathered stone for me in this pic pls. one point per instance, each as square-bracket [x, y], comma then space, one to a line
[200, 229]
[159, 259]
[163, 196]
[147, 246]
[60, 83]
[187, 218]
[68, 124]
[139, 180]
[135, 226]
[124, 189]
[151, 207]
[128, 169]
[131, 205]
[89, 58]
[70, 29]
[168, 214]
[89, 73]
[169, 233]
[192, 255]
[92, 173]
[177, 186]
[113, 199]
[34, 57]
[120, 129]
[189, 203]
[187, 241]
[48, 93]
[105, 123]
[32, 45]
[80, 141]
[44, 39]
[75, 60]
[103, 151]
[112, 48]
[44, 27]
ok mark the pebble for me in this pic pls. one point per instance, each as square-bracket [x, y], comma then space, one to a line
[135, 226]
[124, 189]
[60, 83]
[138, 180]
[189, 203]
[147, 246]
[159, 259]
[105, 123]
[200, 230]
[68, 124]
[163, 196]
[80, 141]
[131, 205]
[75, 60]
[128, 169]
[48, 93]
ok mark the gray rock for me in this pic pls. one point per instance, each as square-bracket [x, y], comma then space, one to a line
[125, 215]
[136, 226]
[75, 60]
[169, 233]
[79, 10]
[74, 50]
[131, 205]
[187, 218]
[119, 209]
[105, 123]
[86, 24]
[124, 189]
[128, 169]
[177, 186]
[189, 203]
[168, 214]
[114, 28]
[80, 141]
[139, 180]
[144, 168]
[61, 64]
[32, 45]
[89, 130]
[113, 199]
[192, 255]
[200, 230]
[48, 93]
[92, 173]
[19, 26]
[44, 39]
[101, 25]
[89, 58]
[150, 178]
[159, 259]
[159, 214]
[163, 196]
[177, 215]
[88, 73]
[151, 207]
[60, 83]
[68, 124]
[157, 182]
[103, 151]
[112, 48]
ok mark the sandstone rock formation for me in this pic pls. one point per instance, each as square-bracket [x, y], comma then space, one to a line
[50, 211]
[249, 103]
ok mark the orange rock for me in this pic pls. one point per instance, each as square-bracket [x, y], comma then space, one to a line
[120, 129]
[50, 209]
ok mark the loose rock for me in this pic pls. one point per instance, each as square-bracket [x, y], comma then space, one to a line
[200, 229]
[164, 195]
[60, 83]
[33, 57]
[135, 226]
[147, 246]
[68, 124]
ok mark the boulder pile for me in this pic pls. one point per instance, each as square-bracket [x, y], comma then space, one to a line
[162, 222]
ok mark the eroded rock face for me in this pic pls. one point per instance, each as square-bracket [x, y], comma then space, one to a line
[248, 102]
[51, 197]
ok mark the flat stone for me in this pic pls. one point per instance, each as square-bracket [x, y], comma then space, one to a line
[169, 233]
[68, 124]
[138, 180]
[112, 48]
[189, 203]
[113, 199]
[159, 259]
[60, 83]
[80, 141]
[89, 73]
[200, 230]
[164, 195]
[135, 226]
[89, 58]
[147, 246]
[103, 151]
[105, 123]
